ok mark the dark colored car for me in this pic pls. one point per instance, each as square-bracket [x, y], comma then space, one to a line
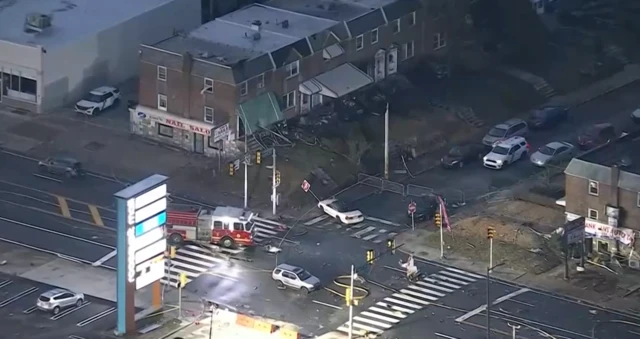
[596, 135]
[548, 116]
[635, 116]
[458, 156]
[426, 208]
[68, 167]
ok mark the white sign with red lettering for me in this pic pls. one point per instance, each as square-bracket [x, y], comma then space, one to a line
[600, 230]
[306, 186]
[188, 127]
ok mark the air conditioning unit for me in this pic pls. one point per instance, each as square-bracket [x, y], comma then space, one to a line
[37, 22]
[634, 263]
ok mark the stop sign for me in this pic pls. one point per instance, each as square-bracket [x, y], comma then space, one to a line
[412, 207]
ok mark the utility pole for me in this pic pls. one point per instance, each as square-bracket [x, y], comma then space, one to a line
[513, 330]
[488, 302]
[386, 143]
[441, 233]
[350, 300]
[274, 183]
[246, 169]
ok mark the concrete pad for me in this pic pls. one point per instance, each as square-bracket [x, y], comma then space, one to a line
[18, 260]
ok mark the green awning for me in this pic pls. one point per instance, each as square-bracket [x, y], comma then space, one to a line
[262, 111]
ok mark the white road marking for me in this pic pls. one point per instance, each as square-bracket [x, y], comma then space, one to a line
[434, 281]
[393, 307]
[396, 314]
[444, 289]
[386, 222]
[424, 290]
[105, 258]
[366, 327]
[401, 302]
[420, 295]
[473, 275]
[345, 328]
[445, 278]
[359, 234]
[378, 316]
[369, 237]
[497, 301]
[316, 220]
[410, 298]
[457, 276]
[371, 322]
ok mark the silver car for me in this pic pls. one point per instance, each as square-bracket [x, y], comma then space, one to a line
[510, 128]
[287, 275]
[58, 299]
[553, 153]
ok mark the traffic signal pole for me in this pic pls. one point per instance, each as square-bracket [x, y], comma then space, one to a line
[274, 183]
[441, 235]
[351, 303]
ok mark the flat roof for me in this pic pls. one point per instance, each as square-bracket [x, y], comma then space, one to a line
[72, 19]
[340, 10]
[234, 37]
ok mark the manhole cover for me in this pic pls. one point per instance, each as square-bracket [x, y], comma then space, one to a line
[94, 146]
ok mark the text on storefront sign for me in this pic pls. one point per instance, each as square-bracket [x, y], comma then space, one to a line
[189, 127]
[624, 235]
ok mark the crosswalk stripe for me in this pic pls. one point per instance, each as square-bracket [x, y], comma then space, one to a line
[372, 322]
[425, 284]
[400, 302]
[199, 258]
[473, 275]
[359, 234]
[410, 298]
[378, 316]
[414, 287]
[345, 328]
[175, 266]
[369, 237]
[445, 278]
[457, 276]
[420, 295]
[431, 280]
[366, 327]
[396, 314]
[316, 220]
[397, 308]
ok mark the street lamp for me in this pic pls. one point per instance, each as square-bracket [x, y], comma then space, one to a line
[489, 270]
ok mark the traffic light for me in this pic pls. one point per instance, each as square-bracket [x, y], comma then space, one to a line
[491, 232]
[347, 296]
[258, 157]
[277, 177]
[183, 280]
[172, 252]
[437, 218]
[232, 169]
[371, 255]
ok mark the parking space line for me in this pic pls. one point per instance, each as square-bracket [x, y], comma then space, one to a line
[5, 283]
[105, 258]
[46, 177]
[17, 296]
[69, 311]
[64, 206]
[95, 214]
[30, 310]
[96, 317]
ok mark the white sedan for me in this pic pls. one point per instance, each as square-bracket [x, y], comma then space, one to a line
[341, 211]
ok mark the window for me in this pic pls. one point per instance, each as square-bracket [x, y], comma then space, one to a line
[412, 18]
[289, 100]
[237, 226]
[162, 102]
[260, 81]
[244, 88]
[593, 187]
[162, 73]
[374, 36]
[208, 114]
[408, 49]
[208, 85]
[17, 86]
[638, 200]
[293, 68]
[217, 225]
[592, 214]
[439, 41]
[165, 130]
[359, 42]
[395, 26]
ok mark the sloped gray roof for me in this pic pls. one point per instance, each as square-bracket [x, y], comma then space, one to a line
[398, 9]
[602, 174]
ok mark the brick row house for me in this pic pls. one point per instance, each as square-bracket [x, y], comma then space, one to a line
[249, 69]
[603, 186]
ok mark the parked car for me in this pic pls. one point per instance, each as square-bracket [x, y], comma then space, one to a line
[286, 275]
[98, 100]
[341, 211]
[596, 135]
[57, 299]
[458, 156]
[68, 167]
[635, 116]
[426, 208]
[548, 116]
[506, 152]
[553, 153]
[510, 128]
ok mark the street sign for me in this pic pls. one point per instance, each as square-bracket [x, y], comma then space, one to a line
[306, 186]
[412, 207]
[575, 231]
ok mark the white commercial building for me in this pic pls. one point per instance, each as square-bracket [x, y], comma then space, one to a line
[53, 51]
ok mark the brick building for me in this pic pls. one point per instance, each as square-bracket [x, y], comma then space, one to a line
[604, 187]
[265, 63]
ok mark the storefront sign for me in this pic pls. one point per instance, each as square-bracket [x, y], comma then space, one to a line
[188, 127]
[600, 230]
[221, 133]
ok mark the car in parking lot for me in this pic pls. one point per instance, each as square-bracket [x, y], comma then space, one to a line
[286, 275]
[506, 152]
[553, 153]
[57, 299]
[596, 135]
[548, 116]
[460, 155]
[98, 100]
[505, 130]
[341, 211]
[60, 165]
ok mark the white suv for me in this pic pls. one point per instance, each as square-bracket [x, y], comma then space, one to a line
[98, 100]
[506, 152]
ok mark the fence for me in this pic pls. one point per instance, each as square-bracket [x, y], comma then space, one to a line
[369, 180]
[392, 186]
[419, 191]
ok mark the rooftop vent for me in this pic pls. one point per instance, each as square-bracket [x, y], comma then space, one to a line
[285, 24]
[37, 22]
[256, 25]
[625, 161]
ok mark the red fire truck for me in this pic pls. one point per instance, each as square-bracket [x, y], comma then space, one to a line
[225, 226]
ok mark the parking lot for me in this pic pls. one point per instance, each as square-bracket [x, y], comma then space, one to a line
[21, 318]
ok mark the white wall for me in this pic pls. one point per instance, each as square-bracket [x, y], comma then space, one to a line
[24, 59]
[111, 56]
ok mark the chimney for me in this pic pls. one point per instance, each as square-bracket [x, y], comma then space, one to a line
[614, 192]
[256, 25]
[187, 65]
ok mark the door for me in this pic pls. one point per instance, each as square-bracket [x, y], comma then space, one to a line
[392, 60]
[198, 143]
[379, 67]
[305, 103]
[289, 279]
[66, 300]
[203, 232]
